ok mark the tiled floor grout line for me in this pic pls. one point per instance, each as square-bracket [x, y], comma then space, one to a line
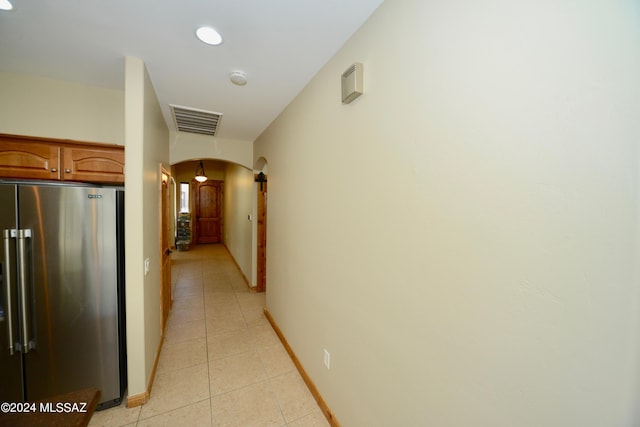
[139, 419]
[206, 340]
[235, 336]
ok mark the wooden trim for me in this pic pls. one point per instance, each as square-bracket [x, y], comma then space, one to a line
[137, 399]
[312, 387]
[142, 398]
[166, 296]
[152, 377]
[25, 139]
[261, 238]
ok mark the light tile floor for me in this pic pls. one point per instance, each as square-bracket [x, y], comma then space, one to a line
[221, 364]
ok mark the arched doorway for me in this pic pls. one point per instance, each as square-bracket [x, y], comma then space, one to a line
[231, 220]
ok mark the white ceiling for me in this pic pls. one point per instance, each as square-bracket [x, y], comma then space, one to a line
[279, 44]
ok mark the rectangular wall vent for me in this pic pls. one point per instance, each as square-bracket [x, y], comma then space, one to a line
[195, 121]
[352, 83]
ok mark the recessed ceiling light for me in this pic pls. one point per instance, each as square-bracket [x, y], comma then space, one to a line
[209, 36]
[5, 5]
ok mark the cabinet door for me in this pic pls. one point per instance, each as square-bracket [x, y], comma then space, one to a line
[29, 161]
[99, 164]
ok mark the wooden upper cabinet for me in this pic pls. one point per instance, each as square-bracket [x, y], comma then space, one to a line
[30, 161]
[93, 164]
[53, 159]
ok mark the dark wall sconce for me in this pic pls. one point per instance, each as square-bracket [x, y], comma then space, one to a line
[261, 177]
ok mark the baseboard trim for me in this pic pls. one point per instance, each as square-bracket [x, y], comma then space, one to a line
[142, 398]
[137, 399]
[312, 387]
[152, 377]
[246, 281]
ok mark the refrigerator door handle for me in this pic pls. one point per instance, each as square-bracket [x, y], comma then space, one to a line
[24, 300]
[6, 237]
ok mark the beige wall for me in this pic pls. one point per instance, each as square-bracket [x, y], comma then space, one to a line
[185, 146]
[51, 108]
[147, 145]
[186, 171]
[42, 107]
[463, 237]
[238, 205]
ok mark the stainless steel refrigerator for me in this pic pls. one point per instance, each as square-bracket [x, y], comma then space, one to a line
[62, 298]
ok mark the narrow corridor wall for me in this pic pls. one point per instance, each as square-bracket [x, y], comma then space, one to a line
[238, 205]
[147, 146]
[463, 237]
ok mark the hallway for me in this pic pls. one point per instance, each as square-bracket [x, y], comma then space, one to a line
[221, 363]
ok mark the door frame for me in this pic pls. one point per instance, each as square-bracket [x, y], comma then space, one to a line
[261, 237]
[166, 297]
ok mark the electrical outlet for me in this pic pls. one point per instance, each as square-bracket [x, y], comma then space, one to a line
[327, 359]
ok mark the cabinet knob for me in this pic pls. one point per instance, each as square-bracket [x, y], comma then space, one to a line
[67, 171]
[54, 170]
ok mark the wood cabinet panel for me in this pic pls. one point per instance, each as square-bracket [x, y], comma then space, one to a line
[26, 157]
[31, 161]
[93, 164]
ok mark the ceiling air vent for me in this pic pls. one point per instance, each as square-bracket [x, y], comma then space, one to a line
[195, 121]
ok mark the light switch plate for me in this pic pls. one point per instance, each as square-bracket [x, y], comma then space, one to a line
[327, 359]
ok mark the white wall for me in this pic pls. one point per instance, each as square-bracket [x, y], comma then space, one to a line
[238, 205]
[36, 106]
[463, 237]
[147, 145]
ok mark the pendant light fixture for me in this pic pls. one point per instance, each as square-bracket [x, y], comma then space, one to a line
[200, 175]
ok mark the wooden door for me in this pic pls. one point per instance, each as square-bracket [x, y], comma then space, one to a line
[166, 299]
[209, 211]
[261, 284]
